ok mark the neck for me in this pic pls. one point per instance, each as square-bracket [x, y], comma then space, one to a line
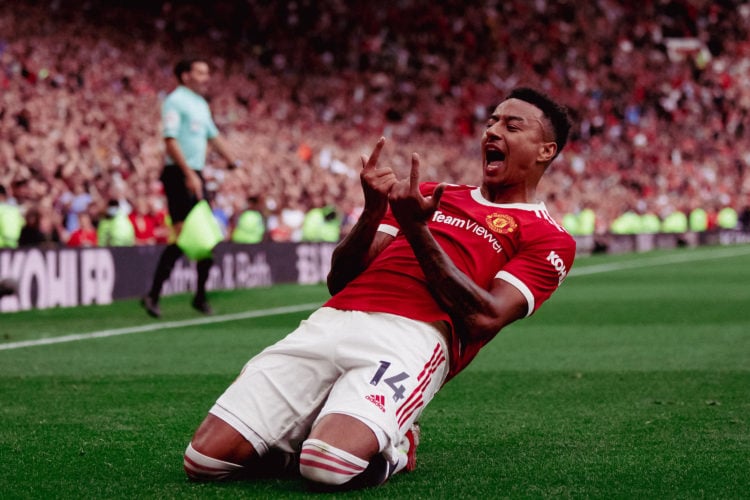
[191, 89]
[508, 194]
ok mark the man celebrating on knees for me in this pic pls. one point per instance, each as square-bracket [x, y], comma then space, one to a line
[429, 274]
[187, 129]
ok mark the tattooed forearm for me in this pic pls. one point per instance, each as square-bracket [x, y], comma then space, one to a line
[472, 308]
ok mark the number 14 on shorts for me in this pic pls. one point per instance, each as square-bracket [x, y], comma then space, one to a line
[392, 381]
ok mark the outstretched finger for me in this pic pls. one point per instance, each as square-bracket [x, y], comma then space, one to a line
[373, 160]
[414, 175]
[437, 193]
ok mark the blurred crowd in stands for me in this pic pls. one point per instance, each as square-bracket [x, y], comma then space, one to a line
[659, 90]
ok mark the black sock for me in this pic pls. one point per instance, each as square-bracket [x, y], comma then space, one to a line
[166, 263]
[204, 268]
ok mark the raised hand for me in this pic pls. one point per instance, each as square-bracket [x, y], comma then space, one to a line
[407, 203]
[376, 181]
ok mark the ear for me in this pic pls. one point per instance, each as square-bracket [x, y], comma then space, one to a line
[546, 152]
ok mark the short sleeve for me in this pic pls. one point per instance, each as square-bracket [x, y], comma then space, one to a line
[170, 119]
[539, 268]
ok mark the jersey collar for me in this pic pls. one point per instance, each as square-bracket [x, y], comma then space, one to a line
[476, 194]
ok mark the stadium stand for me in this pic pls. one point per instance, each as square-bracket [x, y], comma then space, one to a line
[659, 91]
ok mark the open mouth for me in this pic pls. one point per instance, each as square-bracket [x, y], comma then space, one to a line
[494, 156]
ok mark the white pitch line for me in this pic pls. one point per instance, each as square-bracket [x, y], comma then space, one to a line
[661, 260]
[594, 269]
[160, 326]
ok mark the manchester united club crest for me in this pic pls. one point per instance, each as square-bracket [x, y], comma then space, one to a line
[502, 223]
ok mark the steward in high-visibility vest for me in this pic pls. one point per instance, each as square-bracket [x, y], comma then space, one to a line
[698, 220]
[650, 223]
[570, 223]
[676, 222]
[727, 218]
[250, 227]
[581, 224]
[586, 222]
[627, 223]
[115, 229]
[11, 223]
[321, 224]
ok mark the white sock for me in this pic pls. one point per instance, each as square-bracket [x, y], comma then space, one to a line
[326, 464]
[200, 467]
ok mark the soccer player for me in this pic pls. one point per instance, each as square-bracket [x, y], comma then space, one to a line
[428, 275]
[187, 129]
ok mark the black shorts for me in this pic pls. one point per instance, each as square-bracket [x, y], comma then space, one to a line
[179, 200]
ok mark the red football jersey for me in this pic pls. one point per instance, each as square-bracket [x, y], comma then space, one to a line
[517, 242]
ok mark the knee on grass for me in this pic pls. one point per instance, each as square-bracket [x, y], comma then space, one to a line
[200, 467]
[328, 466]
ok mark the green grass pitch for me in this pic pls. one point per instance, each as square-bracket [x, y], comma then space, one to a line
[633, 381]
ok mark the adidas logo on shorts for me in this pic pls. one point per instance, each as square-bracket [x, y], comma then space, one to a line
[378, 400]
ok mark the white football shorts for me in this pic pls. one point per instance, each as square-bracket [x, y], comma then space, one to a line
[380, 368]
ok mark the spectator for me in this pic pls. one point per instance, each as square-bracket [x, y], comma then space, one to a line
[292, 217]
[163, 232]
[85, 235]
[75, 202]
[278, 230]
[40, 230]
[660, 120]
[144, 222]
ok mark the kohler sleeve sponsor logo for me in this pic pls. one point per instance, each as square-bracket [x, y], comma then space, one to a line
[558, 264]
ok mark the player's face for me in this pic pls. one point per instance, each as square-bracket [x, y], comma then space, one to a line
[514, 143]
[197, 78]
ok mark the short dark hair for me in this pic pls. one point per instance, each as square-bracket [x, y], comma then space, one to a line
[185, 65]
[557, 114]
